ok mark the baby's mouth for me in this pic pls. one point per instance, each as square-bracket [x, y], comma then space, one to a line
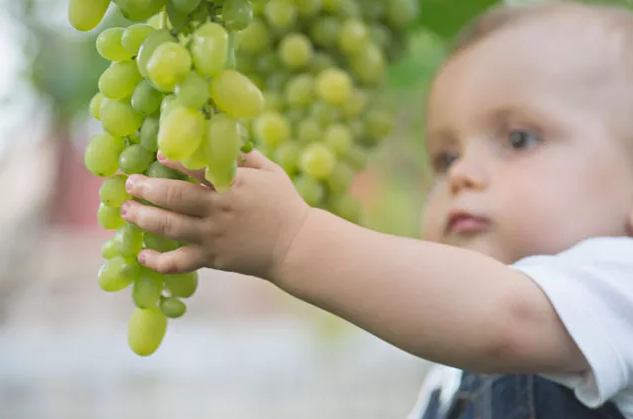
[463, 222]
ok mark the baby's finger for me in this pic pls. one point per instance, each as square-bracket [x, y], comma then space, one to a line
[165, 223]
[176, 195]
[256, 160]
[184, 259]
[196, 174]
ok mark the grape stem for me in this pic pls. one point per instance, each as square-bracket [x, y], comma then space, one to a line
[163, 19]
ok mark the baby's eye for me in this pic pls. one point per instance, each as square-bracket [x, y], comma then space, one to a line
[443, 161]
[522, 139]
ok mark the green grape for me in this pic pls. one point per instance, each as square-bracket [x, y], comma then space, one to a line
[146, 330]
[178, 20]
[308, 8]
[134, 138]
[380, 35]
[350, 8]
[254, 39]
[151, 43]
[112, 191]
[134, 36]
[268, 63]
[310, 189]
[271, 128]
[107, 249]
[354, 105]
[85, 15]
[300, 90]
[185, 6]
[378, 123]
[139, 11]
[235, 94]
[182, 285]
[170, 63]
[277, 81]
[147, 289]
[135, 159]
[193, 91]
[222, 148]
[169, 103]
[157, 170]
[353, 36]
[209, 49]
[309, 130]
[345, 206]
[145, 99]
[119, 118]
[95, 105]
[102, 154]
[332, 6]
[325, 31]
[369, 64]
[401, 13]
[198, 160]
[237, 14]
[339, 139]
[334, 86]
[287, 156]
[317, 160]
[248, 147]
[109, 218]
[295, 50]
[181, 132]
[341, 177]
[357, 158]
[320, 61]
[119, 80]
[273, 101]
[172, 307]
[281, 14]
[160, 244]
[295, 115]
[374, 9]
[325, 113]
[128, 240]
[117, 273]
[149, 133]
[109, 45]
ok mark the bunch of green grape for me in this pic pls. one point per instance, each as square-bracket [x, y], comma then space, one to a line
[171, 86]
[321, 65]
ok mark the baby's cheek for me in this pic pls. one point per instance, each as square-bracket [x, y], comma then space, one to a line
[432, 218]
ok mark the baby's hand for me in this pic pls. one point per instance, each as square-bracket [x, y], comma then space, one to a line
[246, 230]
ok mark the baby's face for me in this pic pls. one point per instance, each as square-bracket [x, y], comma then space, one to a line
[525, 160]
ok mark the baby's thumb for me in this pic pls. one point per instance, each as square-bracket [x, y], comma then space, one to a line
[256, 160]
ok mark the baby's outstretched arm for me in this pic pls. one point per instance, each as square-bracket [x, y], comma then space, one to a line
[441, 303]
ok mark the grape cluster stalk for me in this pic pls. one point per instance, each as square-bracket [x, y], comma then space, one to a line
[202, 81]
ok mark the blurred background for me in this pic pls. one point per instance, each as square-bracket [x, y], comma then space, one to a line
[244, 349]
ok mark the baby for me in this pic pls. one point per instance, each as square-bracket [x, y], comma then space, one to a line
[523, 286]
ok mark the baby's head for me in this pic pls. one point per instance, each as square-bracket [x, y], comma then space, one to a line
[530, 131]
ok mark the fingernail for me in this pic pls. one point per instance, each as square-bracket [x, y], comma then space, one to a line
[142, 258]
[132, 182]
[124, 208]
[160, 157]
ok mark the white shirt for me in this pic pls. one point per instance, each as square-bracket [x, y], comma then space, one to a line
[591, 288]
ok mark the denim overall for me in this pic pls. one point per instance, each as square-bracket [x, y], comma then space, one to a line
[514, 397]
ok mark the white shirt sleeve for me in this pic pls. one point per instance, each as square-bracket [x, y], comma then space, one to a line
[591, 288]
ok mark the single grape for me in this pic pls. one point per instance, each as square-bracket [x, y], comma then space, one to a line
[308, 8]
[147, 289]
[341, 177]
[145, 99]
[134, 35]
[254, 39]
[178, 20]
[117, 274]
[109, 45]
[287, 156]
[222, 149]
[319, 62]
[369, 65]
[119, 80]
[112, 191]
[169, 102]
[198, 160]
[300, 90]
[353, 36]
[271, 128]
[380, 35]
[109, 218]
[295, 50]
[159, 243]
[128, 240]
[95, 105]
[107, 249]
[149, 133]
[102, 154]
[325, 113]
[181, 132]
[139, 10]
[317, 160]
[235, 94]
[310, 189]
[134, 138]
[209, 49]
[281, 14]
[119, 118]
[378, 123]
[237, 14]
[334, 86]
[193, 91]
[170, 63]
[172, 307]
[85, 15]
[325, 31]
[146, 330]
[309, 130]
[339, 139]
[401, 13]
[185, 6]
[182, 285]
[151, 43]
[135, 159]
[157, 170]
